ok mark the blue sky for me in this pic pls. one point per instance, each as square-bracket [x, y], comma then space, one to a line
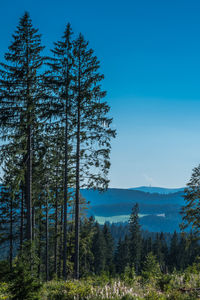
[150, 55]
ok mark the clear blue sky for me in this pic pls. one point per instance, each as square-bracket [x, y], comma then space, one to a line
[150, 55]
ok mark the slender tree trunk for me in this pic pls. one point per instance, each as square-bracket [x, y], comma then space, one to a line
[22, 219]
[29, 148]
[29, 187]
[32, 202]
[56, 231]
[65, 192]
[39, 240]
[33, 223]
[61, 243]
[77, 195]
[47, 242]
[11, 231]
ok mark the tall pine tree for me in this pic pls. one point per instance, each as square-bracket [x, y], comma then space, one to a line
[22, 100]
[59, 80]
[93, 128]
[135, 240]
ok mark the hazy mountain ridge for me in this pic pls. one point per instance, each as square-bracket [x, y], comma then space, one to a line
[157, 190]
[117, 202]
[115, 196]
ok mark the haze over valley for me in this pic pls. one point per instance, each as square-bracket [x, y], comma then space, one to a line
[159, 208]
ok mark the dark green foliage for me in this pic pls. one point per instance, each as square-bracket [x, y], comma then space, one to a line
[176, 295]
[160, 249]
[190, 212]
[122, 256]
[173, 252]
[23, 282]
[128, 297]
[59, 80]
[151, 268]
[92, 128]
[164, 282]
[135, 239]
[109, 249]
[147, 246]
[87, 232]
[22, 103]
[4, 270]
[98, 250]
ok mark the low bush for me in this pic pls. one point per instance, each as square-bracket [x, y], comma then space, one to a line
[70, 290]
[164, 282]
[4, 291]
[23, 284]
[154, 295]
[177, 295]
[151, 269]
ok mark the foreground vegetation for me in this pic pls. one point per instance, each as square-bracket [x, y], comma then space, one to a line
[151, 284]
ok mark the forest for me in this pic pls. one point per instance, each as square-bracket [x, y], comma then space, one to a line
[56, 131]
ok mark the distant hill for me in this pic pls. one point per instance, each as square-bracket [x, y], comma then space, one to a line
[114, 196]
[158, 190]
[159, 211]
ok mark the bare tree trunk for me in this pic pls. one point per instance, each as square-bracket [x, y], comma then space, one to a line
[47, 242]
[65, 193]
[29, 187]
[22, 219]
[61, 243]
[33, 223]
[11, 231]
[77, 195]
[56, 232]
[39, 240]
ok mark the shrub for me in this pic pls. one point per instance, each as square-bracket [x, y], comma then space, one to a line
[177, 295]
[129, 274]
[22, 283]
[4, 270]
[164, 282]
[151, 269]
[4, 291]
[70, 290]
[129, 297]
[154, 295]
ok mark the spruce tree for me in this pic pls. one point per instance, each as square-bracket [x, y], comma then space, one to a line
[109, 248]
[87, 231]
[59, 80]
[147, 246]
[160, 250]
[11, 202]
[151, 268]
[98, 250]
[122, 255]
[21, 105]
[173, 251]
[135, 240]
[182, 257]
[93, 128]
[190, 211]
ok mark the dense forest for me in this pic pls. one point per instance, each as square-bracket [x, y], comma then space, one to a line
[56, 133]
